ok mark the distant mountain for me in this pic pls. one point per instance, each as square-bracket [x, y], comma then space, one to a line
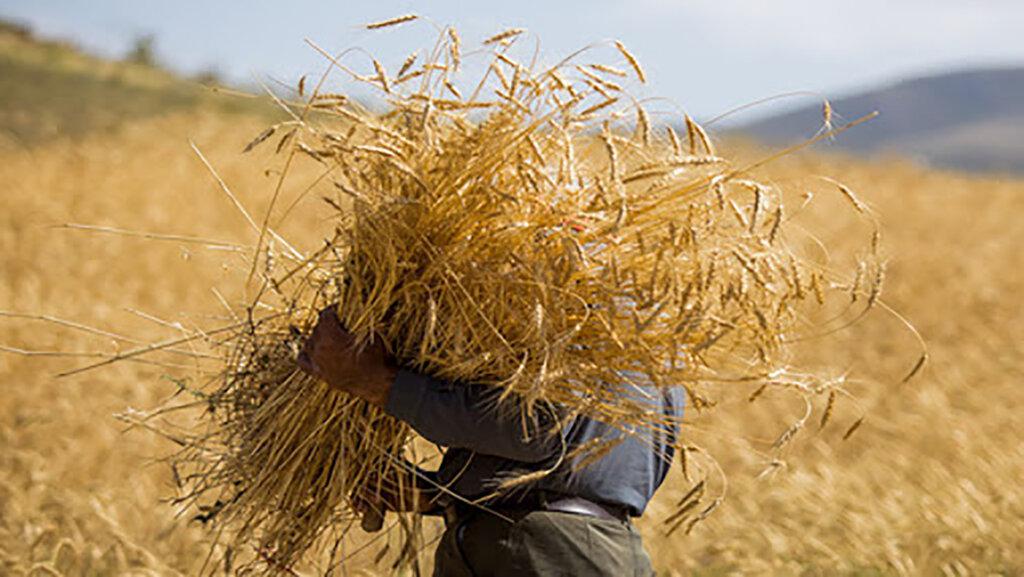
[971, 120]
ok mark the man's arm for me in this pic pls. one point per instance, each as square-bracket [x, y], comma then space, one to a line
[454, 415]
[469, 417]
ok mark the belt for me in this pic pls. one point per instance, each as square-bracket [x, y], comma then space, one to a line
[517, 510]
[587, 508]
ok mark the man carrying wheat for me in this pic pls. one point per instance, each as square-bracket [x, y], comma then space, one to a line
[574, 521]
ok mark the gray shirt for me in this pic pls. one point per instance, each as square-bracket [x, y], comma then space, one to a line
[488, 442]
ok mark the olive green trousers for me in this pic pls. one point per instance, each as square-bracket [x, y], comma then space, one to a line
[540, 543]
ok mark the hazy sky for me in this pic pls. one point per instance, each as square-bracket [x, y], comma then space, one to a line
[705, 55]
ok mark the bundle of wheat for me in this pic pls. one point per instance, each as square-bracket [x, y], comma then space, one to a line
[534, 231]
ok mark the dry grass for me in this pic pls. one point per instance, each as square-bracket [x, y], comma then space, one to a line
[926, 486]
[520, 238]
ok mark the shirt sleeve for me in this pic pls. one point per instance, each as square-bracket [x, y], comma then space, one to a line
[470, 417]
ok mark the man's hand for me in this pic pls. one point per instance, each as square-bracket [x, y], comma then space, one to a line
[330, 354]
[373, 507]
[400, 494]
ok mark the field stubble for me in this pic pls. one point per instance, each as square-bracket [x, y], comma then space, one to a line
[928, 485]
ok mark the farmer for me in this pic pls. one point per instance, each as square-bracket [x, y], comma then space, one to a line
[570, 522]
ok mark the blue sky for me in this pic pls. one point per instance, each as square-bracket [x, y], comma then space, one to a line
[706, 56]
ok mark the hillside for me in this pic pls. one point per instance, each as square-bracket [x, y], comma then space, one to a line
[970, 120]
[52, 89]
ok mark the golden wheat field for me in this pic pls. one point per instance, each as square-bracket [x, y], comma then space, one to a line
[929, 485]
